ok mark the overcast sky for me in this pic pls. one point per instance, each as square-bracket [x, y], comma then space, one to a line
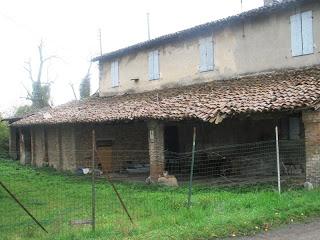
[69, 30]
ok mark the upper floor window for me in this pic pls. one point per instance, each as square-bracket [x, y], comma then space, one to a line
[115, 74]
[301, 33]
[154, 65]
[206, 54]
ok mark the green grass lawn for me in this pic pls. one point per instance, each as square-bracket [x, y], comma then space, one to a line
[158, 212]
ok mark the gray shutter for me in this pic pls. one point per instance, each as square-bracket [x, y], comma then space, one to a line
[156, 72]
[151, 65]
[210, 60]
[203, 55]
[115, 74]
[307, 32]
[296, 35]
[112, 74]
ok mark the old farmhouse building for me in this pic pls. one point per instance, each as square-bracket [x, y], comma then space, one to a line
[235, 79]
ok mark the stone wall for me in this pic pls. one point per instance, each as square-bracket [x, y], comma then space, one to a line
[312, 140]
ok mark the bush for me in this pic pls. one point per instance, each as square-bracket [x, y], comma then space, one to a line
[4, 139]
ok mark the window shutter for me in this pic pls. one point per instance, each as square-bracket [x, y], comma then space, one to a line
[151, 66]
[156, 73]
[112, 74]
[307, 32]
[203, 55]
[210, 55]
[115, 74]
[296, 35]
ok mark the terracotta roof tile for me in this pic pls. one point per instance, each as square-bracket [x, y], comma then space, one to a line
[212, 102]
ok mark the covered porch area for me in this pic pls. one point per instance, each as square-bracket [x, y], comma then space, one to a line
[239, 149]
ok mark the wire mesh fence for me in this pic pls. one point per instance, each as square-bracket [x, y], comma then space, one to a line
[63, 201]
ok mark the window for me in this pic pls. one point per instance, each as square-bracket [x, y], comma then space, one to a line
[206, 54]
[301, 33]
[294, 128]
[154, 65]
[115, 74]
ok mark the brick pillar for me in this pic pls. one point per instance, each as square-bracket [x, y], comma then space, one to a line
[156, 149]
[22, 148]
[311, 122]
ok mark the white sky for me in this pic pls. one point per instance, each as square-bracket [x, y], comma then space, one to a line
[69, 29]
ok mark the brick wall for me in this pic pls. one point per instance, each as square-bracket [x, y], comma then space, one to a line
[156, 149]
[312, 141]
[60, 150]
[67, 149]
[38, 147]
[53, 147]
[129, 143]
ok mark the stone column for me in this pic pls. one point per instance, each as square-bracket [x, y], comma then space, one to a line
[156, 149]
[311, 122]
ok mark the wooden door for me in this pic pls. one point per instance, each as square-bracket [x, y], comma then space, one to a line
[105, 158]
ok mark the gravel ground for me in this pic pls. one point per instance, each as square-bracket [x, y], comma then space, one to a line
[309, 230]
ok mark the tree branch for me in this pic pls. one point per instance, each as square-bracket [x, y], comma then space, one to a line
[29, 95]
[28, 68]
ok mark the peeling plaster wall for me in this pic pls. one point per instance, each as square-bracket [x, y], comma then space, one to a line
[261, 44]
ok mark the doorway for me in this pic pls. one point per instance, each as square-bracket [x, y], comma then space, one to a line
[171, 145]
[104, 152]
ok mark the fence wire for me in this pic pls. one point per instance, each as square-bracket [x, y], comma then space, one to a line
[63, 201]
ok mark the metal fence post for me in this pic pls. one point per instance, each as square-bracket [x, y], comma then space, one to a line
[192, 165]
[93, 200]
[278, 159]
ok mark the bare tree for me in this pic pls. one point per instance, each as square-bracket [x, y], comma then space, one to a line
[40, 94]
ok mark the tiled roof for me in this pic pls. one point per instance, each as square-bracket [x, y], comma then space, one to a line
[212, 102]
[199, 29]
